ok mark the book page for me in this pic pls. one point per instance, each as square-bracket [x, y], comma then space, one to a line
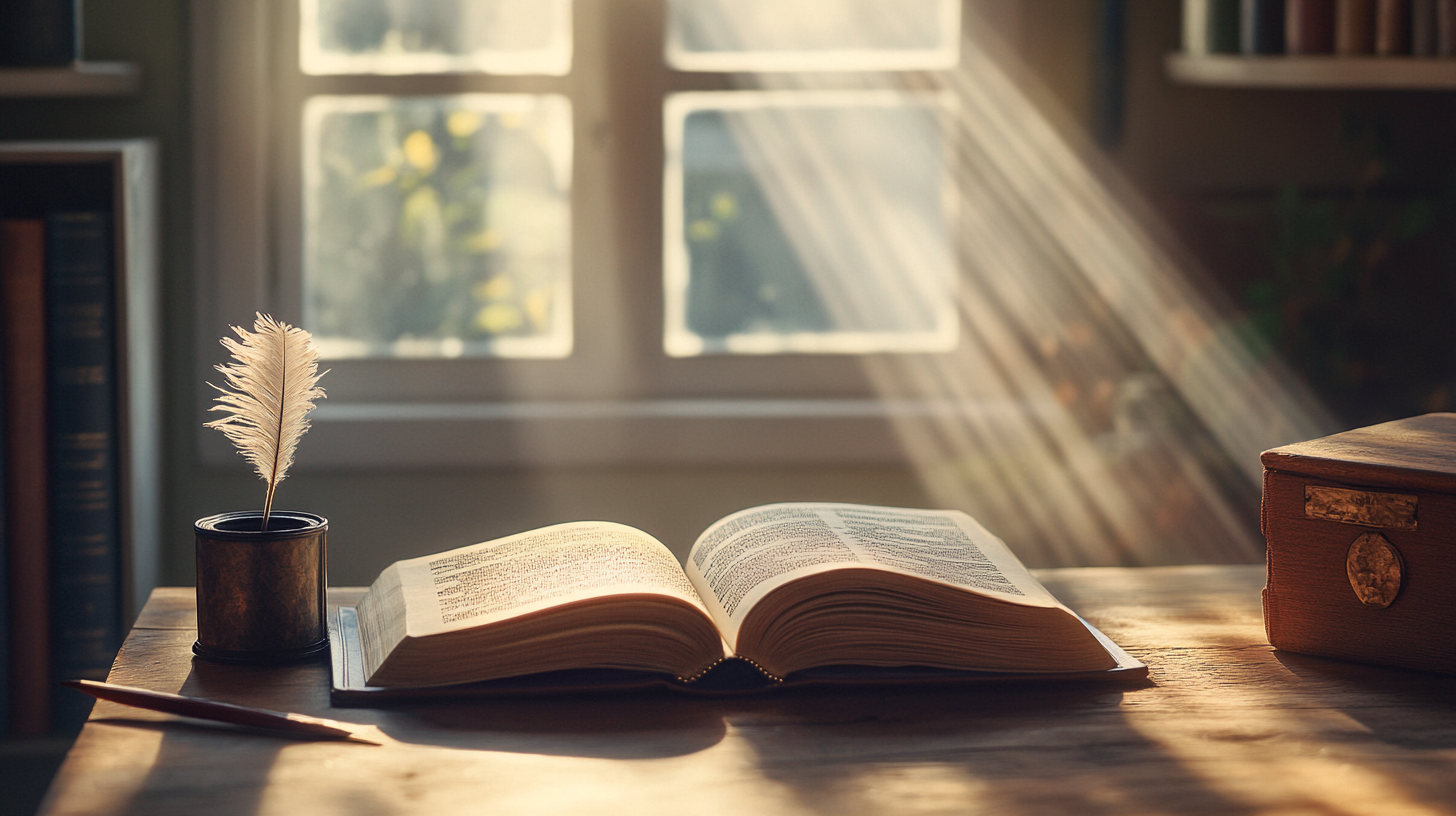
[745, 556]
[523, 573]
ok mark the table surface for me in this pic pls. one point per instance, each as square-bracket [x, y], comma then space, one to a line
[1224, 725]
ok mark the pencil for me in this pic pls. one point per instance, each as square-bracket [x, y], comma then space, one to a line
[297, 725]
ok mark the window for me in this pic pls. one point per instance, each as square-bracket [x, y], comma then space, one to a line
[772, 246]
[434, 37]
[437, 226]
[555, 232]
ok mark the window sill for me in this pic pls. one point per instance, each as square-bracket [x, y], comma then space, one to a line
[595, 434]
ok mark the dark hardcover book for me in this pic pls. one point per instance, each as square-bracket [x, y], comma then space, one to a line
[22, 301]
[1261, 26]
[1309, 26]
[1211, 26]
[85, 518]
[1423, 35]
[39, 33]
[4, 571]
[1223, 26]
[1446, 28]
[1354, 27]
[4, 589]
[1392, 27]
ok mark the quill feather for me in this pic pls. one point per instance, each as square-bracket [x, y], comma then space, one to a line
[270, 391]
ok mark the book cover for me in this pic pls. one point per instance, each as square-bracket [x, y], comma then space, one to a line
[1223, 26]
[4, 569]
[1195, 26]
[1446, 28]
[1354, 27]
[39, 33]
[4, 585]
[1211, 26]
[1309, 26]
[1423, 22]
[85, 511]
[1392, 27]
[22, 311]
[1261, 26]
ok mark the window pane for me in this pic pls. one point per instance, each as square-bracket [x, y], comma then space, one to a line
[435, 36]
[790, 227]
[813, 35]
[438, 226]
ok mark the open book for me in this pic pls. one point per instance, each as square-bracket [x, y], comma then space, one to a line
[780, 592]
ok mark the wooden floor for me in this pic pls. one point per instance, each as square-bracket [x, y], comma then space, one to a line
[1225, 725]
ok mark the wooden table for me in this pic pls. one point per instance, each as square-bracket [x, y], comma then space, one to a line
[1226, 725]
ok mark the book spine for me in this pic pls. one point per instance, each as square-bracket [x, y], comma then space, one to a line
[1392, 27]
[1195, 26]
[22, 306]
[1261, 26]
[1309, 26]
[85, 518]
[39, 32]
[1223, 26]
[1446, 28]
[1354, 27]
[4, 572]
[1423, 28]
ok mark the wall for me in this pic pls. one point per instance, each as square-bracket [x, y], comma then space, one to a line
[1181, 144]
[1329, 217]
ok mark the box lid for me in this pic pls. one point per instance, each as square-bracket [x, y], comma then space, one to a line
[1416, 453]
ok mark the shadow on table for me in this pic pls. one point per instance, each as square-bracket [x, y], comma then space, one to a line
[1027, 748]
[1401, 708]
[192, 764]
[640, 725]
[666, 722]
[1409, 715]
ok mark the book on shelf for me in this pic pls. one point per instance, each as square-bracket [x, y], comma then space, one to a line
[1223, 26]
[81, 441]
[1210, 27]
[1423, 33]
[4, 547]
[1392, 27]
[1195, 26]
[1261, 26]
[1309, 27]
[40, 33]
[783, 594]
[1446, 28]
[85, 513]
[27, 535]
[1354, 27]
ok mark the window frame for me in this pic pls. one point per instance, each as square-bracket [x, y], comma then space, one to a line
[619, 399]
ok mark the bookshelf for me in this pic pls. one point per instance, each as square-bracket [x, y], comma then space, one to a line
[1313, 72]
[116, 180]
[75, 80]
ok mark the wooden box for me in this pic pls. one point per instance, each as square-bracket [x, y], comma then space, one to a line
[1361, 530]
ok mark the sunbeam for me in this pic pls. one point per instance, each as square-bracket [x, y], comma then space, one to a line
[1106, 410]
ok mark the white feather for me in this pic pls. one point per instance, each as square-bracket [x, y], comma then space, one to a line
[271, 389]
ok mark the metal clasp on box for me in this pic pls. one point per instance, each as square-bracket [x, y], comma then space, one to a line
[1372, 563]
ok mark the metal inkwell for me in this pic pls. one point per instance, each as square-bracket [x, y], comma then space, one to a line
[260, 593]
